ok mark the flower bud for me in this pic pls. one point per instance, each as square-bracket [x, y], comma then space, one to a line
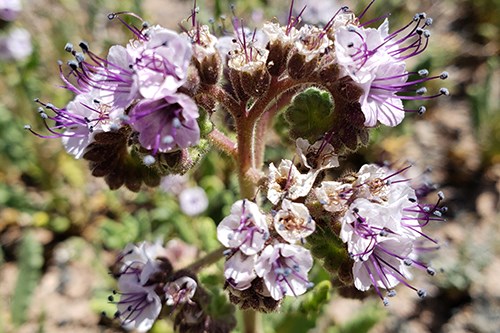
[251, 76]
[253, 298]
[276, 60]
[206, 58]
[298, 67]
[255, 82]
[234, 77]
[209, 68]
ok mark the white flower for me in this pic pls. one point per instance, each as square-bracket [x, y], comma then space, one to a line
[312, 42]
[16, 45]
[293, 221]
[284, 268]
[239, 270]
[193, 201]
[179, 253]
[318, 156]
[139, 305]
[86, 115]
[333, 195]
[365, 56]
[10, 9]
[382, 185]
[180, 291]
[204, 43]
[278, 33]
[174, 184]
[141, 260]
[383, 268]
[287, 181]
[160, 62]
[244, 229]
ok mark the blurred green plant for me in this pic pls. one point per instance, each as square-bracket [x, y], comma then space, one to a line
[363, 321]
[485, 111]
[30, 259]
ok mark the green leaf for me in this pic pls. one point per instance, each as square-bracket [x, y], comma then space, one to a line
[295, 322]
[316, 298]
[310, 114]
[30, 258]
[328, 247]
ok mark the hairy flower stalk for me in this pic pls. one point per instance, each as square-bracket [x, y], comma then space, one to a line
[155, 106]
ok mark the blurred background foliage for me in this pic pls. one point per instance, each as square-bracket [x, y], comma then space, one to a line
[60, 228]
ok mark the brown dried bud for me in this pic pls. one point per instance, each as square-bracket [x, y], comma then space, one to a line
[329, 71]
[255, 82]
[276, 60]
[253, 297]
[248, 71]
[109, 156]
[209, 68]
[298, 67]
[206, 58]
[234, 77]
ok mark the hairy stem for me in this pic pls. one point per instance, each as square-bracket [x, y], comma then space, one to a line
[223, 143]
[245, 129]
[265, 122]
[227, 101]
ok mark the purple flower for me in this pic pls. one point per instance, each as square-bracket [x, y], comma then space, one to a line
[382, 227]
[160, 61]
[120, 81]
[113, 76]
[383, 268]
[139, 305]
[245, 229]
[79, 121]
[141, 260]
[166, 124]
[9, 9]
[375, 60]
[284, 269]
[239, 270]
[180, 291]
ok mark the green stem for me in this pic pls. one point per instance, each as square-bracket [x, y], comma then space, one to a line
[209, 259]
[252, 322]
[245, 130]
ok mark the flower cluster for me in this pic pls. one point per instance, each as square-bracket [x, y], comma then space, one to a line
[137, 86]
[381, 223]
[269, 246]
[254, 254]
[146, 111]
[145, 282]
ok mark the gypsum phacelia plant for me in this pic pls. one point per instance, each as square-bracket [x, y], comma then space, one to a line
[145, 111]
